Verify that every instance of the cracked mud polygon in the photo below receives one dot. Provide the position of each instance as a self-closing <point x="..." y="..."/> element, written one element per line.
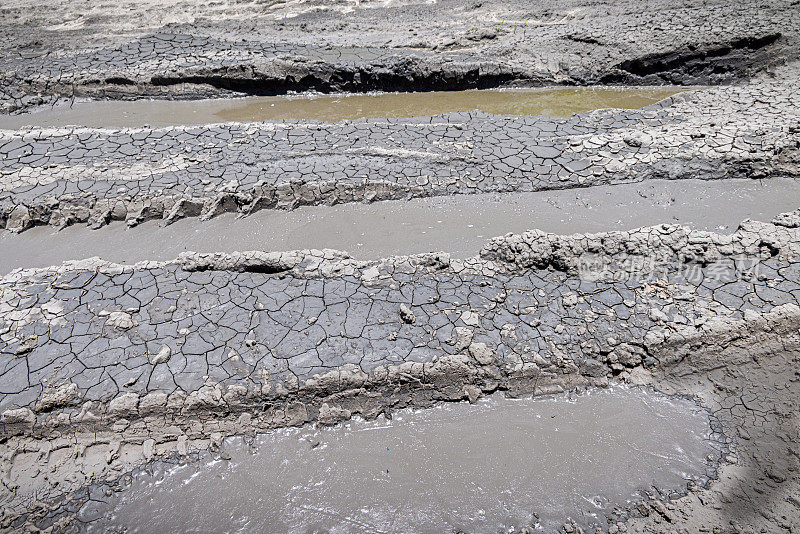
<point x="384" y="266"/>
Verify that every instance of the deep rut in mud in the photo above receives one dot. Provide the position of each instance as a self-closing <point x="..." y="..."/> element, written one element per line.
<point x="499" y="464"/>
<point x="556" y="102"/>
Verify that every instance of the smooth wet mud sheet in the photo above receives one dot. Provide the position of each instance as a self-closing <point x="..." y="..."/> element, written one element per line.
<point x="458" y="225"/>
<point x="560" y="101"/>
<point x="496" y="466"/>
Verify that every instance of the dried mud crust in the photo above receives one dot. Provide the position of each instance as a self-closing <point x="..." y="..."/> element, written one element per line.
<point x="107" y="366"/>
<point x="81" y="175"/>
<point x="123" y="51"/>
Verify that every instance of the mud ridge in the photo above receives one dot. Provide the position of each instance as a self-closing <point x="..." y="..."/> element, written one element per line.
<point x="693" y="65"/>
<point x="601" y="258"/>
<point x="244" y="168"/>
<point x="403" y="75"/>
<point x="652" y="306"/>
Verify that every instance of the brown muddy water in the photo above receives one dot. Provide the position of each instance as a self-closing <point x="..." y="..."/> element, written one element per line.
<point x="459" y="225"/>
<point x="560" y="101"/>
<point x="497" y="466"/>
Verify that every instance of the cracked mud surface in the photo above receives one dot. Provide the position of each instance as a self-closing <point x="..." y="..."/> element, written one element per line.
<point x="169" y="354"/>
<point x="82" y="175"/>
<point x="106" y="367"/>
<point x="65" y="176"/>
<point x="269" y="47"/>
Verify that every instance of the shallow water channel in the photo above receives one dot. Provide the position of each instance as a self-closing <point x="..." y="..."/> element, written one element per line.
<point x="557" y="101"/>
<point x="498" y="465"/>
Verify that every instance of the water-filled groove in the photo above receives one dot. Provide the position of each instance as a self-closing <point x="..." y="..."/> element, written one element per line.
<point x="556" y="101"/>
<point x="498" y="465"/>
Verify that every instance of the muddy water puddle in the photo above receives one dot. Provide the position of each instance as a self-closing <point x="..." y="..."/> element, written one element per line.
<point x="559" y="101"/>
<point x="496" y="466"/>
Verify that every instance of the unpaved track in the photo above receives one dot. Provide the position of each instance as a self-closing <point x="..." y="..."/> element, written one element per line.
<point x="105" y="367"/>
<point x="161" y="357"/>
<point x="77" y="175"/>
<point x="95" y="176"/>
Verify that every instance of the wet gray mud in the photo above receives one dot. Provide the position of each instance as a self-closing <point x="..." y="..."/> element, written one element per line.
<point x="496" y="466"/>
<point x="551" y="101"/>
<point x="459" y="225"/>
<point x="108" y="367"/>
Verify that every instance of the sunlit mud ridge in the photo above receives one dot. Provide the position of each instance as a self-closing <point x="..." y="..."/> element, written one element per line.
<point x="273" y="47"/>
<point x="81" y="175"/>
<point x="106" y="366"/>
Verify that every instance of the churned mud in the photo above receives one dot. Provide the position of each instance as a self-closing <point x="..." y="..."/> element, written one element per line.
<point x="519" y="222"/>
<point x="498" y="464"/>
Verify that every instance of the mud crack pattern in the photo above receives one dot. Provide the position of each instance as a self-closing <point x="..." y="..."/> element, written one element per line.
<point x="106" y="368"/>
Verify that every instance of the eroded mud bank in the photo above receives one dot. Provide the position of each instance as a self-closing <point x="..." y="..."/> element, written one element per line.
<point x="442" y="45"/>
